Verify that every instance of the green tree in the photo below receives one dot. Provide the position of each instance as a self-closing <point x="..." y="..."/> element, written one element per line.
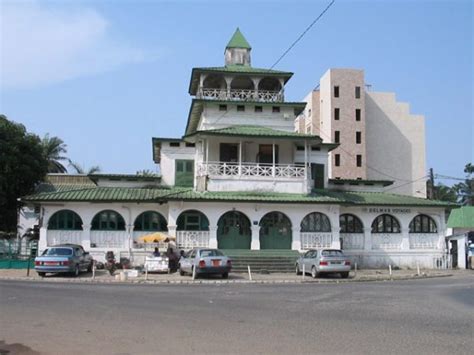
<point x="22" y="166"/>
<point x="53" y="148"/>
<point x="147" y="173"/>
<point x="445" y="193"/>
<point x="465" y="190"/>
<point x="81" y="170"/>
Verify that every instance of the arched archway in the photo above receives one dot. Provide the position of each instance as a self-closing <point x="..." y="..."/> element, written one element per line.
<point x="242" y="83"/>
<point x="423" y="224"/>
<point x="214" y="81"/>
<point x="275" y="231"/>
<point x="65" y="220"/>
<point x="108" y="220"/>
<point x="269" y="84"/>
<point x="192" y="220"/>
<point x="386" y="223"/>
<point x="315" y="222"/>
<point x="233" y="231"/>
<point x="150" y="221"/>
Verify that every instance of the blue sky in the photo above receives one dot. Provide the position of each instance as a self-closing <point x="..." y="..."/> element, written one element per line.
<point x="106" y="76"/>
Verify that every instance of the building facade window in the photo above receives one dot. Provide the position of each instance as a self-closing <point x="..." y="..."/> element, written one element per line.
<point x="337" y="159"/>
<point x="108" y="220"/>
<point x="359" y="160"/>
<point x="357" y="114"/>
<point x="150" y="221"/>
<point x="385" y="223"/>
<point x="315" y="222"/>
<point x="222" y="107"/>
<point x="337" y="136"/>
<point x="358" y="137"/>
<point x="192" y="221"/>
<point x="423" y="224"/>
<point x="350" y="224"/>
<point x="240" y="108"/>
<point x="336" y="91"/>
<point x="65" y="220"/>
<point x="258" y="109"/>
<point x="276" y="109"/>
<point x="174" y="144"/>
<point x="336" y="114"/>
<point x="357" y="92"/>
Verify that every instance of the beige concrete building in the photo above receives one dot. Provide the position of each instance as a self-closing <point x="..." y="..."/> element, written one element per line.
<point x="379" y="138"/>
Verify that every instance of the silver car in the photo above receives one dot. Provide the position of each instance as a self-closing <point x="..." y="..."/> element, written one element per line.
<point x="322" y="261"/>
<point x="64" y="258"/>
<point x="205" y="261"/>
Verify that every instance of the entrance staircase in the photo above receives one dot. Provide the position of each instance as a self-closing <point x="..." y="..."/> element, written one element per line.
<point x="268" y="260"/>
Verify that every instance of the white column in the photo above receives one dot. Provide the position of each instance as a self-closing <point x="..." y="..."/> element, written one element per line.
<point x="86" y="236"/>
<point x="255" y="244"/>
<point x="405" y="239"/>
<point x="212" y="236"/>
<point x="43" y="240"/>
<point x="305" y="167"/>
<point x="335" y="242"/>
<point x="367" y="238"/>
<point x="240" y="157"/>
<point x="273" y="158"/>
<point x="296" y="239"/>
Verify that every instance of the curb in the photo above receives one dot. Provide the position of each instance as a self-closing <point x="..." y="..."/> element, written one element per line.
<point x="307" y="281"/>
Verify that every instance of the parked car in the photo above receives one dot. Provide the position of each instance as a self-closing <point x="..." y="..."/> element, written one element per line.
<point x="322" y="261"/>
<point x="205" y="261"/>
<point x="64" y="258"/>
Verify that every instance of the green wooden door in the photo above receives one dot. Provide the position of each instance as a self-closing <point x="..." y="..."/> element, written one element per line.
<point x="184" y="173"/>
<point x="317" y="173"/>
<point x="275" y="231"/>
<point x="233" y="231"/>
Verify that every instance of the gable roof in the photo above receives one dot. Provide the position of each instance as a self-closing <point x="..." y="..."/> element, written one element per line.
<point x="462" y="218"/>
<point x="238" y="41"/>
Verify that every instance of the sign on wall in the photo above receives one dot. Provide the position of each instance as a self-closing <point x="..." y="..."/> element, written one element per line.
<point x="386" y="210"/>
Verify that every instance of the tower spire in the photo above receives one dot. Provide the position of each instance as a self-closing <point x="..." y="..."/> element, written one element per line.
<point x="237" y="51"/>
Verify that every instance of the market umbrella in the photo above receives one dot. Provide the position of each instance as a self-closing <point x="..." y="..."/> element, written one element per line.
<point x="156" y="237"/>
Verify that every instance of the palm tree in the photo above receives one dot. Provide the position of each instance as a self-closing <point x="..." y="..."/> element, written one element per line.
<point x="465" y="190"/>
<point x="53" y="148"/>
<point x="147" y="173"/>
<point x="80" y="170"/>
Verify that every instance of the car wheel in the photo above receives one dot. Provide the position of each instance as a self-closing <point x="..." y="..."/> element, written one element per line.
<point x="89" y="268"/>
<point x="314" y="273"/>
<point x="77" y="271"/>
<point x="298" y="271"/>
<point x="181" y="272"/>
<point x="42" y="274"/>
<point x="225" y="275"/>
<point x="345" y="275"/>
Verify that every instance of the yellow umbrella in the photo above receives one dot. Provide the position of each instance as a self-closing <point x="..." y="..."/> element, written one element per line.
<point x="156" y="237"/>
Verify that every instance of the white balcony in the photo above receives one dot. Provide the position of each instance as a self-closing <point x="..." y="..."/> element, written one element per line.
<point x="241" y="95"/>
<point x="252" y="170"/>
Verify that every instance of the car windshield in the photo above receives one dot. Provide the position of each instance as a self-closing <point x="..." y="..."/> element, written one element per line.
<point x="332" y="253"/>
<point x="212" y="252"/>
<point x="58" y="251"/>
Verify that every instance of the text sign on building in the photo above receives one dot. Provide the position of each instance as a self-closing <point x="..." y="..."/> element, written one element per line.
<point x="386" y="210"/>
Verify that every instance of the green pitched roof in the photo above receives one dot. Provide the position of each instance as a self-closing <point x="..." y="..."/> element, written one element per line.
<point x="462" y="218"/>
<point x="161" y="194"/>
<point x="238" y="41"/>
<point x="256" y="131"/>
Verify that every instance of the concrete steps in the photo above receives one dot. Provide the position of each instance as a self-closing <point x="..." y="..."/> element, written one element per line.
<point x="278" y="261"/>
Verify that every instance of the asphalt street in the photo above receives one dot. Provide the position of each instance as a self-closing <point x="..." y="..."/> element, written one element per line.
<point x="431" y="316"/>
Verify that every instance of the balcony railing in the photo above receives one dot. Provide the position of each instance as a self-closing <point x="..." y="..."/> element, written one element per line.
<point x="192" y="239"/>
<point x="251" y="170"/>
<point x="315" y="240"/>
<point x="241" y="95"/>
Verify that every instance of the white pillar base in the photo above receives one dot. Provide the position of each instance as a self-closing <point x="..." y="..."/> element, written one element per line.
<point x="255" y="244"/>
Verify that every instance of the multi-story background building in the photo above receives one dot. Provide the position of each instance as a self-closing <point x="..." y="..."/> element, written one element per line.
<point x="379" y="138"/>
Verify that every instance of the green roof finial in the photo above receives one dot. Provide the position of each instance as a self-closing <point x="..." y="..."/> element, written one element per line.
<point x="238" y="41"/>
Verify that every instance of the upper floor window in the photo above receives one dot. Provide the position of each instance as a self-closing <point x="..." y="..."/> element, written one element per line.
<point x="423" y="224"/>
<point x="336" y="114"/>
<point x="276" y="109"/>
<point x="240" y="108"/>
<point x="337" y="136"/>
<point x="190" y="145"/>
<point x="359" y="160"/>
<point x="357" y="114"/>
<point x="385" y="223"/>
<point x="174" y="144"/>
<point x="222" y="107"/>
<point x="358" y="137"/>
<point x="336" y="91"/>
<point x="258" y="109"/>
<point x="357" y="92"/>
<point x="337" y="160"/>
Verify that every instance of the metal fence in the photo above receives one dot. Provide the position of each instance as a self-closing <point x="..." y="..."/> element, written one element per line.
<point x="17" y="253"/>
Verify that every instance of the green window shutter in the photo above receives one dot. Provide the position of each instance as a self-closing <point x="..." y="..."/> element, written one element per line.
<point x="317" y="172"/>
<point x="184" y="174"/>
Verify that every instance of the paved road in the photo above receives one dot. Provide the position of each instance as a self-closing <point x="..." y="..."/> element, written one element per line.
<point x="432" y="316"/>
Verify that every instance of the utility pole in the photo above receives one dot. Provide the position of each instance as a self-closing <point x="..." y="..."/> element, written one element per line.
<point x="432" y="185"/>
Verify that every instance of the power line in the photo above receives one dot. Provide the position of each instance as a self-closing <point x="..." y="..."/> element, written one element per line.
<point x="407" y="183"/>
<point x="302" y="34"/>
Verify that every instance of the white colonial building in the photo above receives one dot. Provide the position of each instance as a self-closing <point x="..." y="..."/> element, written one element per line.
<point x="241" y="178"/>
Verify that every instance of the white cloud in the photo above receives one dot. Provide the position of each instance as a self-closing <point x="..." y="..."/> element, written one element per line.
<point x="46" y="44"/>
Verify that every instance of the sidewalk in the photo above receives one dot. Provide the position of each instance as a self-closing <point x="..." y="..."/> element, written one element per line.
<point x="103" y="276"/>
